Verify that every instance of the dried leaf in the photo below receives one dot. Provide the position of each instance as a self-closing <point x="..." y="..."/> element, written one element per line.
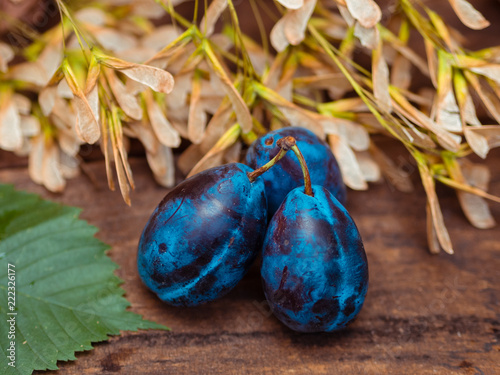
<point x="469" y="15"/>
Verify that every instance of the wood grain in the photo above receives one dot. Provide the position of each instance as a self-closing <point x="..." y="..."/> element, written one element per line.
<point x="423" y="314"/>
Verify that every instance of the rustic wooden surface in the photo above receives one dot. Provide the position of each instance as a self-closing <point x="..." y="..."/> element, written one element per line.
<point x="423" y="314"/>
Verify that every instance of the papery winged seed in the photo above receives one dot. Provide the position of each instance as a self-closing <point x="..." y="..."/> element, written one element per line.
<point x="114" y="40"/>
<point x="50" y="59"/>
<point x="160" y="37"/>
<point x="291" y="4"/>
<point x="368" y="37"/>
<point x="157" y="79"/>
<point x="162" y="165"/>
<point x="239" y="105"/>
<point x="278" y="37"/>
<point x="6" y="55"/>
<point x="346" y="15"/>
<point x="36" y="158"/>
<point x="349" y="166"/>
<point x="205" y="163"/>
<point x="94" y="16"/>
<point x="474" y="207"/>
<point x="435" y="209"/>
<point x="367" y="12"/>
<point x="397" y="177"/>
<point x="431" y="61"/>
<point x="46" y="99"/>
<point x="233" y="153"/>
<point x="86" y="122"/>
<point x="432" y="239"/>
<point x="401" y="72"/>
<point x="369" y="169"/>
<point x="469" y="15"/>
<point x="68" y="142"/>
<point x="22" y="103"/>
<point x="482" y="138"/>
<point x="188" y="159"/>
<point x="491" y="71"/>
<point x="166" y="134"/>
<point x="296" y="22"/>
<point x="11" y="136"/>
<point x="448" y="113"/>
<point x="32" y="72"/>
<point x="128" y="102"/>
<point x="197" y="117"/>
<point x="145" y="134"/>
<point x="63" y="90"/>
<point x="490" y="101"/>
<point x="30" y="126"/>
<point x="51" y="172"/>
<point x="381" y="79"/>
<point x="68" y="165"/>
<point x="214" y="11"/>
<point x="299" y="117"/>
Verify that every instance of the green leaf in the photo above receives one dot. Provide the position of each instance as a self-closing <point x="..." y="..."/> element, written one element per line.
<point x="66" y="295"/>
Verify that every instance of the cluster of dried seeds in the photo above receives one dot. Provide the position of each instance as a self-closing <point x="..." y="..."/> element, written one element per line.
<point x="111" y="71"/>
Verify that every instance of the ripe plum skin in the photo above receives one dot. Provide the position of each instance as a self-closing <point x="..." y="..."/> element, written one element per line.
<point x="203" y="236"/>
<point x="314" y="267"/>
<point x="287" y="174"/>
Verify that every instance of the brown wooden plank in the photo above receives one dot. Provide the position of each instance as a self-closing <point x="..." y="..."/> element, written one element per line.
<point x="423" y="314"/>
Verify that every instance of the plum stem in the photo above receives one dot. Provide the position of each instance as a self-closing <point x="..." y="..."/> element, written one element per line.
<point x="282" y="152"/>
<point x="285" y="144"/>
<point x="307" y="177"/>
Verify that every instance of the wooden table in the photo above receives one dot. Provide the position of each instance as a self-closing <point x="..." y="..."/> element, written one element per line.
<point x="423" y="314"/>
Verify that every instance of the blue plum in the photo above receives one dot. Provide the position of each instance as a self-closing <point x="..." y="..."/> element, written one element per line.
<point x="203" y="236"/>
<point x="314" y="267"/>
<point x="287" y="175"/>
